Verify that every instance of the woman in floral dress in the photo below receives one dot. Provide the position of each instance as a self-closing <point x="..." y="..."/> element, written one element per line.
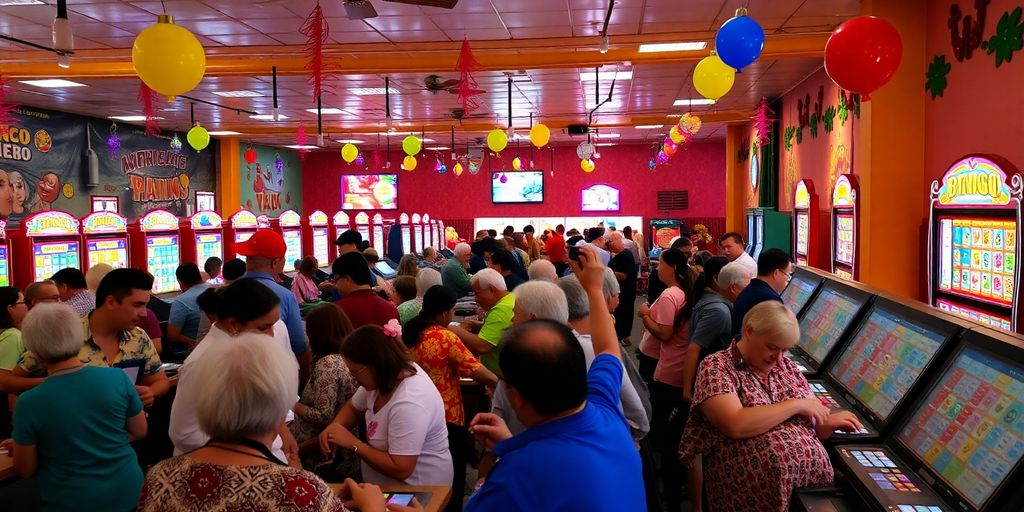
<point x="755" y="420"/>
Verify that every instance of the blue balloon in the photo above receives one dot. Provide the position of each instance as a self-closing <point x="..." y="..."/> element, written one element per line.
<point x="739" y="42"/>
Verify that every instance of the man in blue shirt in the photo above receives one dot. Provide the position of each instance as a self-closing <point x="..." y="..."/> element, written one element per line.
<point x="183" y="322"/>
<point x="774" y="269"/>
<point x="569" y="412"/>
<point x="264" y="253"/>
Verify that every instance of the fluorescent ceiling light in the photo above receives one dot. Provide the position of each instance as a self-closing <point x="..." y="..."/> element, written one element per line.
<point x="438" y="148"/>
<point x="225" y="133"/>
<point x="372" y="91"/>
<point x="238" y="94"/>
<point x="301" y="147"/>
<point x="606" y="135"/>
<point x="685" y="46"/>
<point x="674" y="115"/>
<point x="586" y="76"/>
<point x="349" y="141"/>
<point x="131" y="119"/>
<point x="649" y="126"/>
<point x="52" y="83"/>
<point x="267" y="117"/>
<point x="602" y="144"/>
<point x="327" y="111"/>
<point x="693" y="102"/>
<point x="20" y="2"/>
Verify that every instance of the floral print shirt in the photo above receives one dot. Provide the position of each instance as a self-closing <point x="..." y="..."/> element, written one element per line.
<point x="443" y="356"/>
<point x="135" y="346"/>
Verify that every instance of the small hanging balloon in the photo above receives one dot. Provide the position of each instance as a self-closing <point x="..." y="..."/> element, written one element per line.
<point x="411" y="145"/>
<point x="587" y="166"/>
<point x="503" y="179"/>
<point x="740" y="40"/>
<point x="176" y="144"/>
<point x="497" y="140"/>
<point x="198" y="137"/>
<point x="349" y="152"/>
<point x="443" y="169"/>
<point x="713" y="78"/>
<point x="652" y="164"/>
<point x="437" y="166"/>
<point x="675" y="135"/>
<point x="278" y="163"/>
<point x="689" y="123"/>
<point x="669" y="148"/>
<point x="863" y="54"/>
<point x="457" y="169"/>
<point x="250" y="154"/>
<point x="517" y="164"/>
<point x="585" y="151"/>
<point x="168" y="58"/>
<point x="473" y="168"/>
<point x="540" y="135"/>
<point x="662" y="158"/>
<point x="360" y="161"/>
<point x="113" y="141"/>
<point x="409" y="163"/>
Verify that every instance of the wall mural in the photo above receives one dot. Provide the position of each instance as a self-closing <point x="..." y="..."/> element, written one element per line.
<point x="966" y="34"/>
<point x="271" y="180"/>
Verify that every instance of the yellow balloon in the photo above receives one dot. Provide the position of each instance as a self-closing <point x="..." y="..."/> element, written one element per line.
<point x="168" y="58"/>
<point x="349" y="152"/>
<point x="409" y="163"/>
<point x="674" y="134"/>
<point x="497" y="140"/>
<point x="540" y="135"/>
<point x="517" y="164"/>
<point x="458" y="169"/>
<point x="713" y="78"/>
<point x="587" y="166"/>
<point x="411" y="145"/>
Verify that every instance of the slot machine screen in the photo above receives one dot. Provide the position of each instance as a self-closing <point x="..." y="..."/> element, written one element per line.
<point x="364" y="231"/>
<point x="803" y="232"/>
<point x="418" y="230"/>
<point x="406" y="240"/>
<point x="378" y="239"/>
<point x="969" y="431"/>
<point x="885" y="357"/>
<point x="162" y="257"/>
<point x="5" y="267"/>
<point x="320" y="246"/>
<point x="241" y="237"/>
<point x="799" y="291"/>
<point x="208" y="246"/>
<point x="53" y="256"/>
<point x="293" y="245"/>
<point x="978" y="259"/>
<point x="844" y="238"/>
<point x="825" y="321"/>
<point x="113" y="252"/>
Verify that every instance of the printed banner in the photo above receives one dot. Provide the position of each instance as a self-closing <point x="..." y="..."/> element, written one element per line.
<point x="273" y="182"/>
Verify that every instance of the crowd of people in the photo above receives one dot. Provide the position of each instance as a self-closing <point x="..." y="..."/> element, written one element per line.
<point x="288" y="382"/>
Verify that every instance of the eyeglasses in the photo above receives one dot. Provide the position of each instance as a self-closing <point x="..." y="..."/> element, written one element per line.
<point x="789" y="275"/>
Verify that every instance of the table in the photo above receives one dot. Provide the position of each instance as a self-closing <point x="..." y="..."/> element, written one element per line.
<point x="439" y="494"/>
<point x="6" y="466"/>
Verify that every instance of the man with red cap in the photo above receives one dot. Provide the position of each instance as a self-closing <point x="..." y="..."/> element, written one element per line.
<point x="264" y="258"/>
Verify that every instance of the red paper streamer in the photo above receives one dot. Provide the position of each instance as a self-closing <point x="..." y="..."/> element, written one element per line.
<point x="317" y="31"/>
<point x="7" y="108"/>
<point x="148" y="108"/>
<point x="468" y="88"/>
<point x="300" y="140"/>
<point x="762" y="120"/>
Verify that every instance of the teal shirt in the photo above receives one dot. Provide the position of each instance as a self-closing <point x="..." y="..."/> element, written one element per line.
<point x="454" y="276"/>
<point x="11" y="348"/>
<point x="77" y="423"/>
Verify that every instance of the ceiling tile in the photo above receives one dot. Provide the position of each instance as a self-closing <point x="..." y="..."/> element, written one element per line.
<point x="357" y="37"/>
<point x="223" y="27"/>
<point x="182" y="9"/>
<point x="468" y="21"/>
<point x="540" y="32"/>
<point x="112" y="12"/>
<point x="246" y="11"/>
<point x="252" y="39"/>
<point x="401" y="23"/>
<point x="623" y="16"/>
<point x="506" y="6"/>
<point x="408" y="36"/>
<point x="98" y="30"/>
<point x="830" y="8"/>
<point x="536" y="19"/>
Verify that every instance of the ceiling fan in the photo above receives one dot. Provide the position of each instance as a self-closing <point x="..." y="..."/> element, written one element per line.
<point x="434" y="84"/>
<point x="363" y="9"/>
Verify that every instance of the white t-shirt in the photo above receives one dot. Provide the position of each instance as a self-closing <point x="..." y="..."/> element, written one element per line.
<point x="184" y="428"/>
<point x="411" y="423"/>
<point x="747" y="261"/>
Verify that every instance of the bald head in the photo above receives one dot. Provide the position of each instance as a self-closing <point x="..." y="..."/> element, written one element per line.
<point x="544" y="363"/>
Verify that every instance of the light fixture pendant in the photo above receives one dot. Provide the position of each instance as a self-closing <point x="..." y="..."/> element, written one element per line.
<point x="63" y="39"/>
<point x="605" y="42"/>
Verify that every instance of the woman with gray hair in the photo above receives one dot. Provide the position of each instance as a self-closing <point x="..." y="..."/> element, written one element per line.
<point x="542" y="270"/>
<point x="255" y="378"/>
<point x="75" y="437"/>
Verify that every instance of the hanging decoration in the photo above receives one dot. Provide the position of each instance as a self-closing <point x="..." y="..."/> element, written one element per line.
<point x="411" y="145"/>
<point x="761" y="122"/>
<point x="713" y="78"/>
<point x="517" y="164"/>
<point x="669" y="147"/>
<point x="497" y="140"/>
<point x="250" y="155"/>
<point x="829" y="119"/>
<point x="468" y="88"/>
<point x="168" y="58"/>
<point x="349" y="152"/>
<point x="360" y="161"/>
<point x="588" y="166"/>
<point x="409" y="163"/>
<point x="968" y="39"/>
<point x="863" y="54"/>
<point x="662" y="158"/>
<point x="787" y="138"/>
<point x="652" y="164"/>
<point x="175" y="144"/>
<point x="317" y="32"/>
<point x="301" y="141"/>
<point x="935" y="77"/>
<point x="739" y="41"/>
<point x="113" y="142"/>
<point x="145" y="97"/>
<point x="1008" y="39"/>
<point x="278" y="163"/>
<point x="6" y="107"/>
<point x="585" y="150"/>
<point x="457" y="169"/>
<point x="198" y="137"/>
<point x="689" y="124"/>
<point x="540" y="135"/>
<point x="473" y="167"/>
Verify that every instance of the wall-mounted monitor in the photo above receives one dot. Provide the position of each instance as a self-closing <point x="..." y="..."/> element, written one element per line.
<point x="600" y="198"/>
<point x="517" y="187"/>
<point x="369" y="191"/>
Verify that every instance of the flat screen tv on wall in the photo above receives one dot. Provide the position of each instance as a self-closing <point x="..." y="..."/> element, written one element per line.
<point x="517" y="187"/>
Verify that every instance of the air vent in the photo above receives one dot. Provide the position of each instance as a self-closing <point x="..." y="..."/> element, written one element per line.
<point x="673" y="199"/>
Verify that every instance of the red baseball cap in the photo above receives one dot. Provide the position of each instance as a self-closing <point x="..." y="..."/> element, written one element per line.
<point x="264" y="243"/>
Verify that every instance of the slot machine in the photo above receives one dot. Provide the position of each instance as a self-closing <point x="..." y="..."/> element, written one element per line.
<point x="845" y="227"/>
<point x="417" y="232"/>
<point x="53" y="242"/>
<point x="290" y="223"/>
<point x="5" y="255"/>
<point x="242" y="225"/>
<point x="157" y="249"/>
<point x="106" y="239"/>
<point x="802" y="286"/>
<point x="772" y="230"/>
<point x="406" y="229"/>
<point x="340" y="224"/>
<point x="378" y="234"/>
<point x="805" y="224"/>
<point x="826" y="320"/>
<point x="263" y="221"/>
<point x="428" y="233"/>
<point x="202" y="238"/>
<point x="363" y="225"/>
<point x="318" y="237"/>
<point x="973" y="251"/>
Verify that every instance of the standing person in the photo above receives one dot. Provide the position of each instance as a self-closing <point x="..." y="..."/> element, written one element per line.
<point x="454" y="274"/>
<point x="631" y="245"/>
<point x="183" y="322"/>
<point x="666" y="340"/>
<point x="443" y="356"/>
<point x="625" y="269"/>
<point x="74" y="291"/>
<point x="95" y="274"/>
<point x="233" y="270"/>
<point x="362" y="305"/>
<point x="484" y="338"/>
<point x="264" y="252"/>
<point x="774" y="268"/>
<point x="73" y="436"/>
<point x="532" y="243"/>
<point x="505" y="263"/>
<point x="556" y="250"/>
<point x="733" y="248"/>
<point x="655" y="285"/>
<point x="212" y="267"/>
<point x="542" y="270"/>
<point x="41" y="292"/>
<point x="349" y="241"/>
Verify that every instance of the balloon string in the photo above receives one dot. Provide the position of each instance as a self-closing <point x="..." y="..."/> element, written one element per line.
<point x="162" y="6"/>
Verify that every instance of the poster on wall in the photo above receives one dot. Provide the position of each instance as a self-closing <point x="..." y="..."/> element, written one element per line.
<point x="272" y="183"/>
<point x="43" y="166"/>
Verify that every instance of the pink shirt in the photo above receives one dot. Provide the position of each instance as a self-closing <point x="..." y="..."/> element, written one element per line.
<point x="670" y="354"/>
<point x="304" y="288"/>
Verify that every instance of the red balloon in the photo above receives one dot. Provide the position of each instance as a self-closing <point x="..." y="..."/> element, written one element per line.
<point x="250" y="156"/>
<point x="863" y="54"/>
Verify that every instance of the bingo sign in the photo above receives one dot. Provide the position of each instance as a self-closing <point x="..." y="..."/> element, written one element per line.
<point x="975" y="181"/>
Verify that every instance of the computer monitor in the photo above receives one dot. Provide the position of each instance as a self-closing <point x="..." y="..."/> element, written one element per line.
<point x="968" y="432"/>
<point x="888" y="353"/>
<point x="800" y="289"/>
<point x="830" y="315"/>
